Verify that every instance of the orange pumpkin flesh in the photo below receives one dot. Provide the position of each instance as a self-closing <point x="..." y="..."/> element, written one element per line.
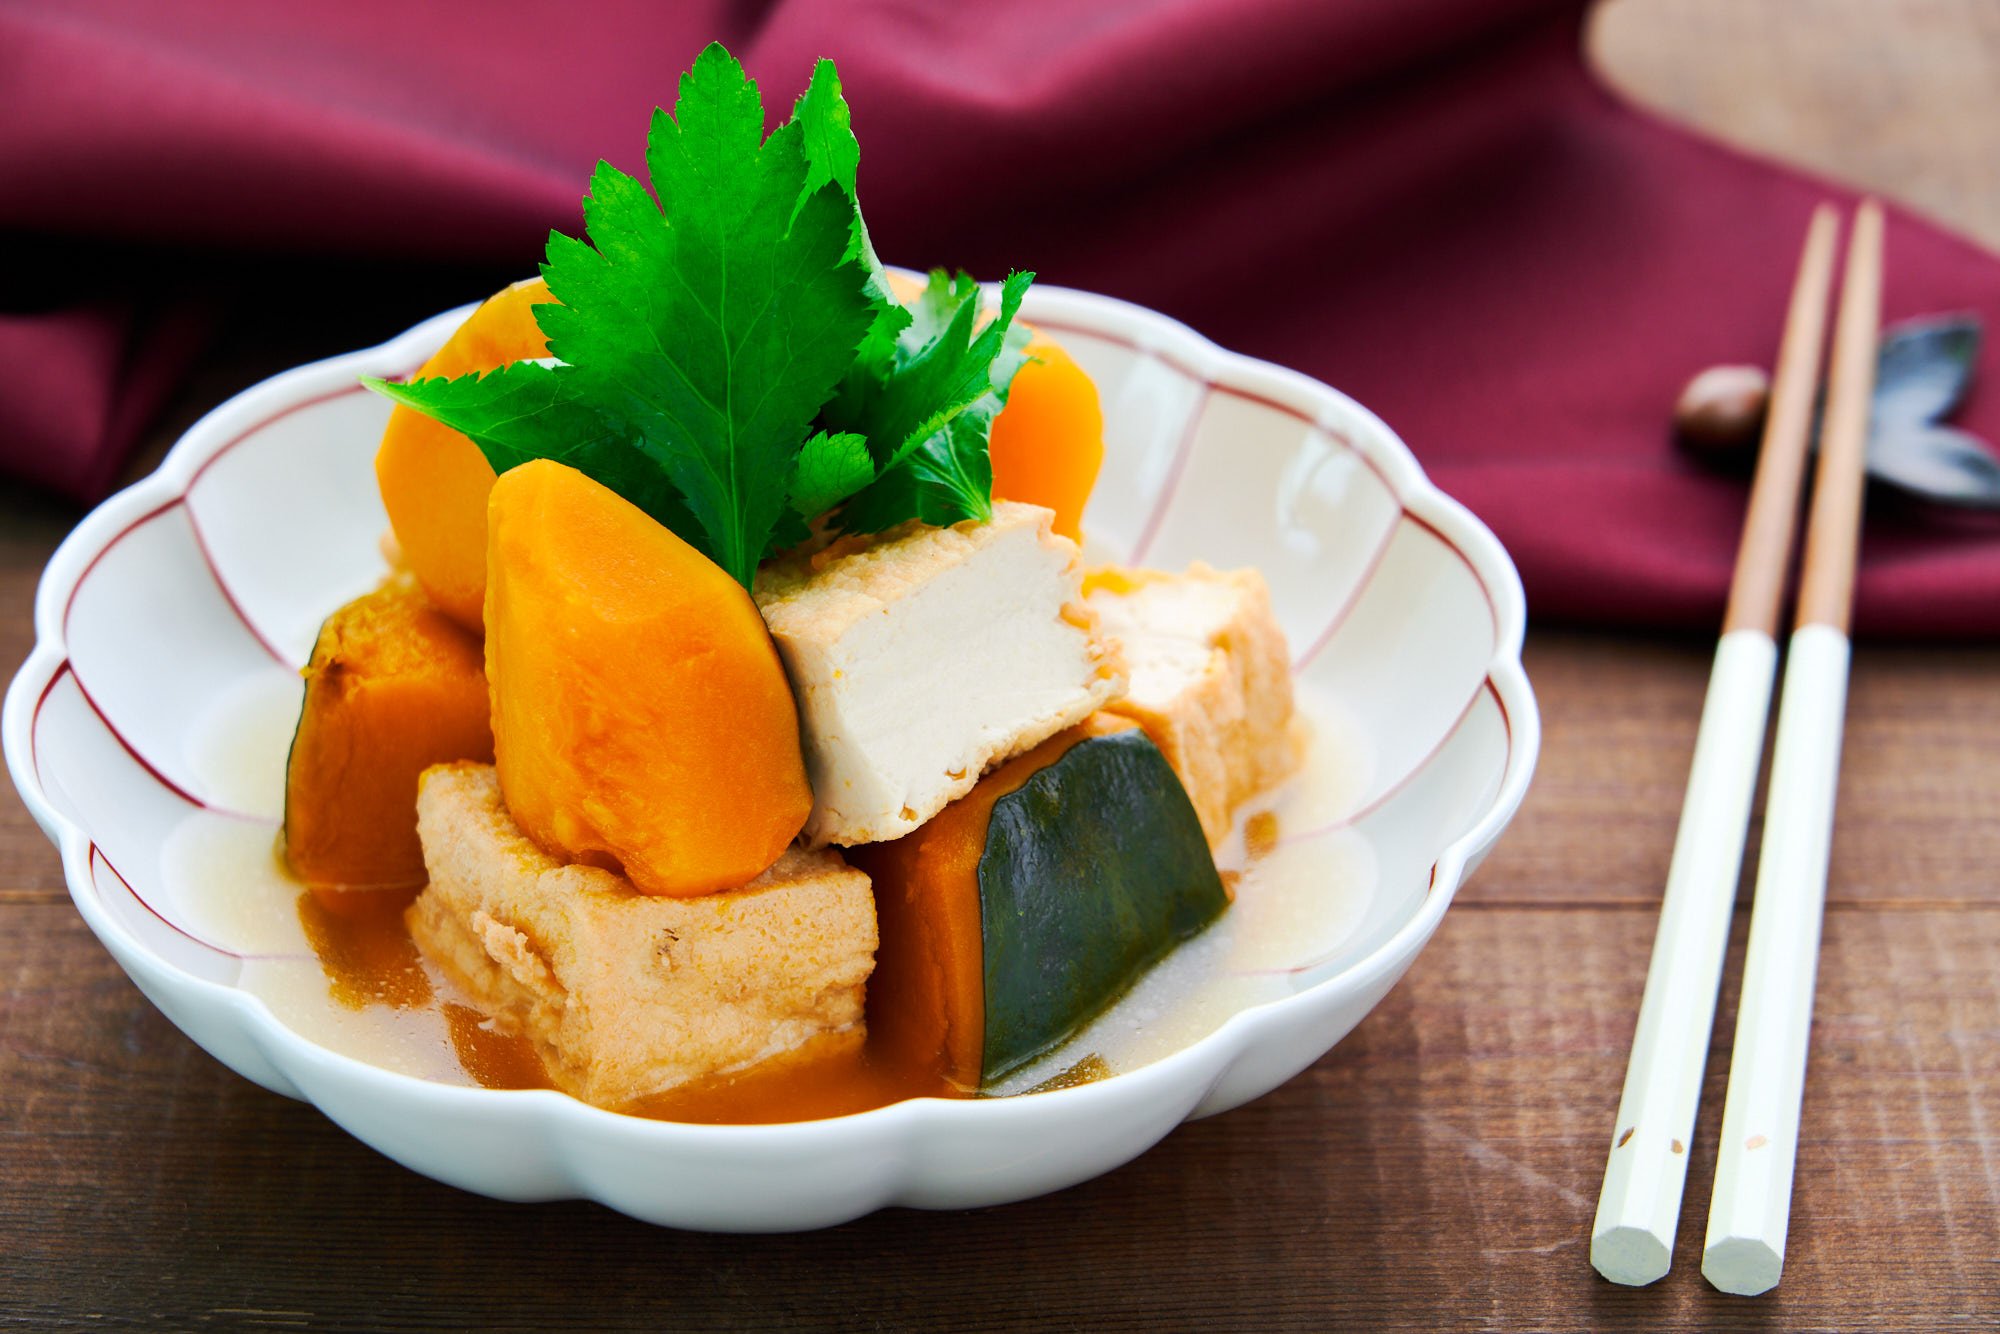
<point x="1048" y="442"/>
<point x="641" y="718"/>
<point x="927" y="995"/>
<point x="394" y="686"/>
<point x="434" y="480"/>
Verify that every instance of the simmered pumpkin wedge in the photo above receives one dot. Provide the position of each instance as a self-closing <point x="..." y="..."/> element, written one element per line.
<point x="641" y="718"/>
<point x="1048" y="442"/>
<point x="1023" y="909"/>
<point x="434" y="480"/>
<point x="393" y="687"/>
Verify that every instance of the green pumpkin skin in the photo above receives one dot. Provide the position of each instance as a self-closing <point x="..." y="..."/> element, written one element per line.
<point x="1093" y="870"/>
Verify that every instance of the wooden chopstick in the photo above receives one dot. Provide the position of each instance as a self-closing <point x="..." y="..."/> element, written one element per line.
<point x="1833" y="532"/>
<point x="1750" y="1211"/>
<point x="1638" y="1210"/>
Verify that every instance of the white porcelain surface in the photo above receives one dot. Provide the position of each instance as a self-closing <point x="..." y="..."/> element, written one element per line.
<point x="198" y="591"/>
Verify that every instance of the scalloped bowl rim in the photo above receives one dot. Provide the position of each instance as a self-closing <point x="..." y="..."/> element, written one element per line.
<point x="1203" y="1062"/>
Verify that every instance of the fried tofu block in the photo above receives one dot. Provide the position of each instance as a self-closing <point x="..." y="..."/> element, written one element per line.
<point x="624" y="994"/>
<point x="924" y="656"/>
<point x="1211" y="679"/>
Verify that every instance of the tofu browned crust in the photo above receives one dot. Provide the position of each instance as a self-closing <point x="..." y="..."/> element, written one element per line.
<point x="623" y="994"/>
<point x="921" y="657"/>
<point x="1211" y="679"/>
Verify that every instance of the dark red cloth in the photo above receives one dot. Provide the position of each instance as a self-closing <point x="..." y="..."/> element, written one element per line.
<point x="1428" y="204"/>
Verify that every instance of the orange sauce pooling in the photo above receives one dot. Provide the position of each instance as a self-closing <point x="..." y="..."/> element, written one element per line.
<point x="495" y="1060"/>
<point x="1261" y="835"/>
<point x="833" y="1075"/>
<point x="368" y="957"/>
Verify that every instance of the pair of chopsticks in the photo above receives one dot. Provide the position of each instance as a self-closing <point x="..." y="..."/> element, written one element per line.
<point x="1633" y="1237"/>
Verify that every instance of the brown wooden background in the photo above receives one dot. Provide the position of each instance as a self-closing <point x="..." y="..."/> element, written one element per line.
<point x="1438" y="1170"/>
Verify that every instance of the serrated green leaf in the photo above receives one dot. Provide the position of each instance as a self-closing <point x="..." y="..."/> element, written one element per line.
<point x="900" y="403"/>
<point x="942" y="371"/>
<point x="826" y="127"/>
<point x="525" y="411"/>
<point x="954" y="472"/>
<point x="945" y="480"/>
<point x="829" y="469"/>
<point x="719" y="320"/>
<point x="702" y="330"/>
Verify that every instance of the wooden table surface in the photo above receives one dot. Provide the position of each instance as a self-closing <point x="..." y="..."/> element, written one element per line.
<point x="1438" y="1170"/>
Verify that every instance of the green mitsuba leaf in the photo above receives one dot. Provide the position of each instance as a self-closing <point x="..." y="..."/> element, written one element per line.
<point x="829" y="469"/>
<point x="726" y="350"/>
<point x="927" y="412"/>
<point x="718" y="322"/>
<point x="826" y="129"/>
<point x="528" y="410"/>
<point x="945" y="480"/>
<point x="826" y="126"/>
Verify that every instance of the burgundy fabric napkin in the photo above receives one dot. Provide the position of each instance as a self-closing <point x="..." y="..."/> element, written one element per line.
<point x="1428" y="204"/>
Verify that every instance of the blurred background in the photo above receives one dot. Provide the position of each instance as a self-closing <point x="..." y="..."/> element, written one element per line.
<point x="1434" y="206"/>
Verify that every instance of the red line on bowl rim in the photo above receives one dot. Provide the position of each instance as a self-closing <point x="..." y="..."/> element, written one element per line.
<point x="1288" y="410"/>
<point x="68" y="668"/>
<point x="1506" y="719"/>
<point x="90" y="567"/>
<point x="69" y="661"/>
<point x="1389" y="793"/>
<point x="276" y="415"/>
<point x="1492" y="607"/>
<point x="35" y="720"/>
<point x="1176" y="471"/>
<point x="98" y="855"/>
<point x="1354" y="595"/>
<point x="1446" y="539"/>
<point x="183" y="499"/>
<point x="229" y="595"/>
<point x="194" y="519"/>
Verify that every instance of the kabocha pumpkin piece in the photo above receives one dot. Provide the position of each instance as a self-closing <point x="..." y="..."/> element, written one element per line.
<point x="393" y="687"/>
<point x="641" y="717"/>
<point x="434" y="480"/>
<point x="1047" y="444"/>
<point x="1029" y="905"/>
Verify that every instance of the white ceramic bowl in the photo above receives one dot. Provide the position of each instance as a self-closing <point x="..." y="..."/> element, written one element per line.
<point x="192" y="597"/>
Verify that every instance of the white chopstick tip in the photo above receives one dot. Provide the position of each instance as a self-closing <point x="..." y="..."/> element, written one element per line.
<point x="1631" y="1255"/>
<point x="1744" y="1266"/>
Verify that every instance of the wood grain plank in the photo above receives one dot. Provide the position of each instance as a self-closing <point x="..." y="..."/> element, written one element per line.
<point x="1919" y="780"/>
<point x="1437" y="1170"/>
<point x="31" y="527"/>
